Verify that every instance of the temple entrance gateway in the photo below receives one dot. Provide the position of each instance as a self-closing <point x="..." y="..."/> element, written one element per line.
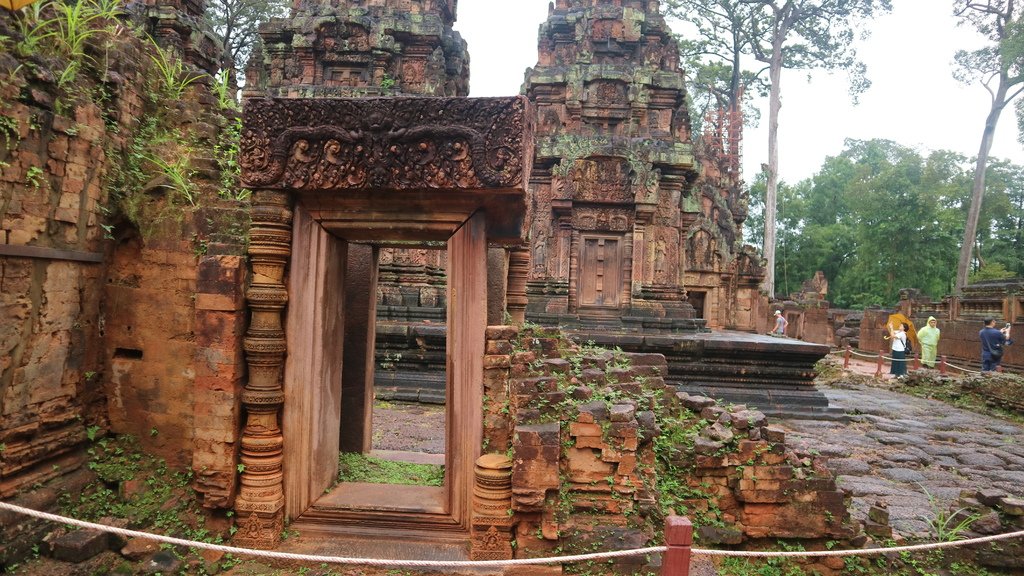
<point x="334" y="180"/>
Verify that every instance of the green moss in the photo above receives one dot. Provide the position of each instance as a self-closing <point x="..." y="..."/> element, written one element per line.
<point x="354" y="467"/>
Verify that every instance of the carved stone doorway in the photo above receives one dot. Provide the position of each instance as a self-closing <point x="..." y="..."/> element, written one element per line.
<point x="333" y="178"/>
<point x="314" y="392"/>
<point x="601" y="271"/>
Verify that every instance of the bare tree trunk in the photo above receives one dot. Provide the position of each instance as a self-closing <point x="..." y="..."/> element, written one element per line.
<point x="774" y="104"/>
<point x="978" y="190"/>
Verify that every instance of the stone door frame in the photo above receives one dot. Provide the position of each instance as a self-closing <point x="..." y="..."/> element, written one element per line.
<point x="330" y="172"/>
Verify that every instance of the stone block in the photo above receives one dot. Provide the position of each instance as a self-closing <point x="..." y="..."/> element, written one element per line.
<point x="501" y="332"/>
<point x="768" y="472"/>
<point x="115" y="541"/>
<point x="595" y="442"/>
<point x="581" y="429"/>
<point x="1012" y="506"/>
<point x="79" y="546"/>
<point x="990" y="496"/>
<point x="498" y="347"/>
<point x="622" y="413"/>
<point x="720" y="535"/>
<point x="497" y="361"/>
<point x="774" y="434"/>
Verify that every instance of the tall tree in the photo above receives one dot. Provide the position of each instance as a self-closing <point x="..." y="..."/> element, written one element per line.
<point x="797" y="34"/>
<point x="237" y="23"/>
<point x="712" y="48"/>
<point x="999" y="66"/>
<point x="802" y="34"/>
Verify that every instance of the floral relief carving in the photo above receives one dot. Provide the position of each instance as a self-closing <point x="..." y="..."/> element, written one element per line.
<point x="383" y="143"/>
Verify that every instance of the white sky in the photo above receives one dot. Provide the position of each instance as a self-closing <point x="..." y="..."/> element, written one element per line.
<point x="913" y="100"/>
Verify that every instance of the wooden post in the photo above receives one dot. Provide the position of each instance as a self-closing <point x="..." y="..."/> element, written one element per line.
<point x="846" y="357"/>
<point x="878" y="368"/>
<point x="678" y="538"/>
<point x="942" y="364"/>
<point x="917" y="360"/>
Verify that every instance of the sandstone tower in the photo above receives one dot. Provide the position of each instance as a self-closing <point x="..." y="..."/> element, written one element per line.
<point x="625" y="231"/>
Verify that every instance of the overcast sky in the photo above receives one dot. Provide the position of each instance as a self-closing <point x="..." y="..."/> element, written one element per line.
<point x="913" y="100"/>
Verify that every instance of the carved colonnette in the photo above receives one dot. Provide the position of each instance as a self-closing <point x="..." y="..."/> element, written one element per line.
<point x="260" y="501"/>
<point x="492" y="505"/>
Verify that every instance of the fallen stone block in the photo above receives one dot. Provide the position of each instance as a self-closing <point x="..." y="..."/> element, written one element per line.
<point x="79" y="546"/>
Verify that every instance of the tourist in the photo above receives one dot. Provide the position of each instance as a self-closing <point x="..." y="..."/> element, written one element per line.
<point x="929" y="339"/>
<point x="898" y="338"/>
<point x="993" y="341"/>
<point x="780" y="324"/>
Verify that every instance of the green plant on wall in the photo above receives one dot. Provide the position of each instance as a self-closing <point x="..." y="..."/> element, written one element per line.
<point x="71" y="31"/>
<point x="9" y="130"/>
<point x="34" y="177"/>
<point x="174" y="76"/>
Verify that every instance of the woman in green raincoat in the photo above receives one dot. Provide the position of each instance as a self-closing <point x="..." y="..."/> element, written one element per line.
<point x="928" y="336"/>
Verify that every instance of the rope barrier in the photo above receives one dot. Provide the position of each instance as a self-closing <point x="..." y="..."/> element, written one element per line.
<point x="328" y="559"/>
<point x="494" y="563"/>
<point x="875" y="357"/>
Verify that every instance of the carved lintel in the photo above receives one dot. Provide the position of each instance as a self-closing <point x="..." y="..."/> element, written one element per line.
<point x="384" y="144"/>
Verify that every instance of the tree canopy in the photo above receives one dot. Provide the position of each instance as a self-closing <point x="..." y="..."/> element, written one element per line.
<point x="237" y="22"/>
<point x="880" y="217"/>
<point x="794" y="34"/>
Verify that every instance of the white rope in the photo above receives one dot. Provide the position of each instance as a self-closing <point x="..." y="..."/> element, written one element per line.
<point x="862" y="552"/>
<point x="494" y="563"/>
<point x="330" y="559"/>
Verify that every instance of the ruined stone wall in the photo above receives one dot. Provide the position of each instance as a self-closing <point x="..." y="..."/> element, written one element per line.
<point x="109" y="324"/>
<point x="593" y="433"/>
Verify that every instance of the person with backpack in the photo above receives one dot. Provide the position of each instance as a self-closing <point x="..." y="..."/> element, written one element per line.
<point x="900" y="341"/>
<point x="993" y="342"/>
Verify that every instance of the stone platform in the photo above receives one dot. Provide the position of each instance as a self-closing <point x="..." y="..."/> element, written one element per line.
<point x="773" y="374"/>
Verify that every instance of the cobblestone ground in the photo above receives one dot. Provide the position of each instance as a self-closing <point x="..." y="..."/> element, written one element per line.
<point x="408" y="426"/>
<point x="899" y="449"/>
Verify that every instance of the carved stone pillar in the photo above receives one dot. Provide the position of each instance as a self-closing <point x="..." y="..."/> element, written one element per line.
<point x="518" y="272"/>
<point x="260" y="502"/>
<point x="492" y="500"/>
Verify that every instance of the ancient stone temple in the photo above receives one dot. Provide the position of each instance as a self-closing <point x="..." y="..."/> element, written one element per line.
<point x="625" y="231"/>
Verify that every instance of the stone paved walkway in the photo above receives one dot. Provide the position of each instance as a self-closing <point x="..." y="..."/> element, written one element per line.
<point x="897" y="446"/>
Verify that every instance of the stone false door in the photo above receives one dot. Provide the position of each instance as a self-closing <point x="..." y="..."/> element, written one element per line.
<point x="601" y="271"/>
<point x="327" y="175"/>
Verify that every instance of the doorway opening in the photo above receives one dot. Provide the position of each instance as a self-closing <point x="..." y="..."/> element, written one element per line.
<point x="440" y="442"/>
<point x="697" y="298"/>
<point x="407" y="437"/>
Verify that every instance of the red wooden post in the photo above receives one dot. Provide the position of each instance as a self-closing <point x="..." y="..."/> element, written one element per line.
<point x="917" y="360"/>
<point x="846" y="357"/>
<point x="942" y="364"/>
<point x="878" y="368"/>
<point x="678" y="538"/>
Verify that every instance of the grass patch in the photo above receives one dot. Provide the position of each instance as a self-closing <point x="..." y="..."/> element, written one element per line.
<point x="353" y="467"/>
